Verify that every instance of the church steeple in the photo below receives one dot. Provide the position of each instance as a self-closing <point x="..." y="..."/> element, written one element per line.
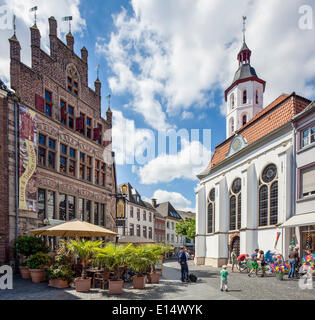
<point x="244" y="96"/>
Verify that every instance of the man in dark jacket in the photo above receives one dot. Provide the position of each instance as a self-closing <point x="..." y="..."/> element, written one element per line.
<point x="182" y="260"/>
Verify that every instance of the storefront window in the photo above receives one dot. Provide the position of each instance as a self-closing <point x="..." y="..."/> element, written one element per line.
<point x="308" y="238"/>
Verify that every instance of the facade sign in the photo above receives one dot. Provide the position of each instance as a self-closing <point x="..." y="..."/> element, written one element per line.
<point x="28" y="160"/>
<point x="120" y="209"/>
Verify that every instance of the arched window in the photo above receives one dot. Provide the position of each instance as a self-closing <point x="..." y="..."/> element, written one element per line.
<point x="257" y="97"/>
<point x="232" y="125"/>
<point x="211" y="211"/>
<point x="232" y="100"/>
<point x="268" y="196"/>
<point x="244" y="96"/>
<point x="244" y="119"/>
<point x="235" y="204"/>
<point x="73" y="80"/>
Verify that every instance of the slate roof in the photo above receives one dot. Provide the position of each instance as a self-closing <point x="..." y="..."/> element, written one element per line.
<point x="167" y="210"/>
<point x="186" y="214"/>
<point x="244" y="71"/>
<point x="276" y="114"/>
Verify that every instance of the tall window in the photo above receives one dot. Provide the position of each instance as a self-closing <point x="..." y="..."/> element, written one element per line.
<point x="131" y="229"/>
<point x="268" y="196"/>
<point x="48" y="103"/>
<point x="72" y="85"/>
<point x="72" y="161"/>
<point x="235" y="204"/>
<point x="257" y="97"/>
<point x="244" y="96"/>
<point x="232" y="125"/>
<point x="232" y="100"/>
<point x="211" y="211"/>
<point x="81" y="209"/>
<point x="82" y="165"/>
<point x="307" y="182"/>
<point x="144" y="231"/>
<point x="89" y="127"/>
<point x="63" y="158"/>
<point x="46" y="204"/>
<point x="62" y="207"/>
<point x="46" y="151"/>
<point x="138" y="214"/>
<point x="131" y="212"/>
<point x="144" y="216"/>
<point x="103" y="174"/>
<point x="66" y="207"/>
<point x="41" y="204"/>
<point x="89" y="169"/>
<point x="97" y="172"/>
<point x="82" y="131"/>
<point x="103" y="215"/>
<point x="150" y="232"/>
<point x="150" y="216"/>
<point x="71" y="207"/>
<point x="96" y="213"/>
<point x="138" y="231"/>
<point x="244" y="119"/>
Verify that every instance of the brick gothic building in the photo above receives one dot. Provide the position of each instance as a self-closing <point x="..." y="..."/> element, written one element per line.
<point x="73" y="180"/>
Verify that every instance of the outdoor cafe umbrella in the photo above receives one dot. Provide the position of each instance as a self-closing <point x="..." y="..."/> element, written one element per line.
<point x="74" y="228"/>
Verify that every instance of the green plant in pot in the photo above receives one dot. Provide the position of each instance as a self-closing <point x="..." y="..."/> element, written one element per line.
<point x="86" y="251"/>
<point x="155" y="253"/>
<point x="25" y="247"/>
<point x="140" y="261"/>
<point x="115" y="257"/>
<point x="36" y="264"/>
<point x="59" y="275"/>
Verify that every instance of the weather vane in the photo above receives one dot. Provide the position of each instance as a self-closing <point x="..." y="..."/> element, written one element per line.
<point x="34" y="9"/>
<point x="68" y="18"/>
<point x="98" y="70"/>
<point x="244" y="27"/>
<point x="13" y="23"/>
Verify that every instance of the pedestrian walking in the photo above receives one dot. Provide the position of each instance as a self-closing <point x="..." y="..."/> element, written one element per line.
<point x="254" y="263"/>
<point x="182" y="260"/>
<point x="234" y="260"/>
<point x="224" y="278"/>
<point x="262" y="262"/>
<point x="293" y="261"/>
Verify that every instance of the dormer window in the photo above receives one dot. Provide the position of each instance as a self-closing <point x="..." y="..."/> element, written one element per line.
<point x="244" y="119"/>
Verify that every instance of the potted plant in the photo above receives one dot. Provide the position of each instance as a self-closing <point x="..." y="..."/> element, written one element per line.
<point x="114" y="257"/>
<point x="60" y="276"/>
<point x="36" y="264"/>
<point x="27" y="246"/>
<point x="155" y="254"/>
<point x="85" y="250"/>
<point x="140" y="261"/>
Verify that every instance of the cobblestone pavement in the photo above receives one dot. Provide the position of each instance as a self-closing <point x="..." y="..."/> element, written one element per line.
<point x="170" y="288"/>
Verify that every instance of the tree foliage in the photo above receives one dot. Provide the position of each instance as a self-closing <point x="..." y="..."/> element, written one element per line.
<point x="186" y="228"/>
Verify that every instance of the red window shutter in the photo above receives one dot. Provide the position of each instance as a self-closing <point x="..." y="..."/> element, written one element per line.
<point x="79" y="123"/>
<point x="63" y="112"/>
<point x="39" y="103"/>
<point x="96" y="134"/>
<point x="106" y="143"/>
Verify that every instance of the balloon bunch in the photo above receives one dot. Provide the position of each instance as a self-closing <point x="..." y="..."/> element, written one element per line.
<point x="309" y="262"/>
<point x="278" y="266"/>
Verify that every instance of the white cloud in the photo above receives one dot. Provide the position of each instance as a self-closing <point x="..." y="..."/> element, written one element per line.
<point x="180" y="50"/>
<point x="187" y="115"/>
<point x="25" y="19"/>
<point x="190" y="161"/>
<point x="178" y="201"/>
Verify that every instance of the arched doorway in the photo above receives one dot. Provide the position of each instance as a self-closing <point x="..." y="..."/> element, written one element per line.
<point x="234" y="244"/>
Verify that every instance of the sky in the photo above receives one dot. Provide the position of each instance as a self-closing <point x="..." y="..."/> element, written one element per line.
<point x="166" y="65"/>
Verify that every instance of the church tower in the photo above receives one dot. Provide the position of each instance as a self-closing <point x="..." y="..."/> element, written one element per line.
<point x="244" y="97"/>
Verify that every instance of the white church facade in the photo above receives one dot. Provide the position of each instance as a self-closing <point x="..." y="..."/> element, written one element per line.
<point x="247" y="192"/>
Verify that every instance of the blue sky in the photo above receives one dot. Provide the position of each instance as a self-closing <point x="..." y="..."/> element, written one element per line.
<point x="167" y="64"/>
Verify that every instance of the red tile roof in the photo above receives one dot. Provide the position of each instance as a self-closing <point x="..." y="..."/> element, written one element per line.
<point x="276" y="114"/>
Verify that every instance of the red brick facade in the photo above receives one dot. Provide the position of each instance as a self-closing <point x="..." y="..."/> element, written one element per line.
<point x="68" y="118"/>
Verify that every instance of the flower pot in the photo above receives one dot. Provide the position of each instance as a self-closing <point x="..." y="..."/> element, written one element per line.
<point x="37" y="275"/>
<point x="25" y="272"/>
<point x="58" y="283"/>
<point x="82" y="285"/>
<point x="154" y="277"/>
<point x="115" y="286"/>
<point x="279" y="276"/>
<point x="138" y="282"/>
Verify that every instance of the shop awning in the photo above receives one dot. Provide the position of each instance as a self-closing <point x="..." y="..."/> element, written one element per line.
<point x="299" y="220"/>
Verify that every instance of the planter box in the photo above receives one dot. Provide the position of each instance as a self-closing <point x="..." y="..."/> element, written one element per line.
<point x="58" y="283"/>
<point x="83" y="285"/>
<point x="138" y="282"/>
<point x="37" y="275"/>
<point x="25" y="272"/>
<point x="115" y="287"/>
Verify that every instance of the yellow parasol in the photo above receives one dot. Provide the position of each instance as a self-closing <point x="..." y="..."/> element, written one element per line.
<point x="74" y="228"/>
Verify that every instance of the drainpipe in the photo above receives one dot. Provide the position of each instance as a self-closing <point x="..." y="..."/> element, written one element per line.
<point x="16" y="177"/>
<point x="294" y="196"/>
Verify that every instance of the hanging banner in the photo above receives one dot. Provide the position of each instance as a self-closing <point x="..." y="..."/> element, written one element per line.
<point x="120" y="209"/>
<point x="28" y="160"/>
